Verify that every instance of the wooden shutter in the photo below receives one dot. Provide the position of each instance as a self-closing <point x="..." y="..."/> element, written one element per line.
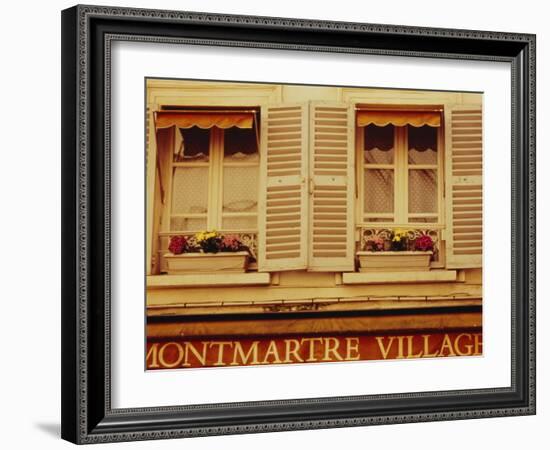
<point x="463" y="190"/>
<point x="283" y="218"/>
<point x="332" y="187"/>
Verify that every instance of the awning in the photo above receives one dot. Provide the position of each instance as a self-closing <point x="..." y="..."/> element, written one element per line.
<point x="382" y="118"/>
<point x="204" y="119"/>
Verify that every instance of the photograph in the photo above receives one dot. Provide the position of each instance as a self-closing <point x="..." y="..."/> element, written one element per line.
<point x="294" y="224"/>
<point x="283" y="222"/>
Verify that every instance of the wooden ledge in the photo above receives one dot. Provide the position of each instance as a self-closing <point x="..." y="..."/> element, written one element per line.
<point x="208" y="279"/>
<point x="428" y="276"/>
<point x="304" y="308"/>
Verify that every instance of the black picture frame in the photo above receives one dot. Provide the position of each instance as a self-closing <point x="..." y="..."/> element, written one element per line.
<point x="87" y="33"/>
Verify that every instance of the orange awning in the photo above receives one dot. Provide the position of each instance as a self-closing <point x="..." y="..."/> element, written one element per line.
<point x="382" y="118"/>
<point x="204" y="119"/>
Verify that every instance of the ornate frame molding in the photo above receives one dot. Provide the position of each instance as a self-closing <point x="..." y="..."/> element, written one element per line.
<point x="87" y="416"/>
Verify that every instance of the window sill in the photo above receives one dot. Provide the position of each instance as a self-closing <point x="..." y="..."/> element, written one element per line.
<point x="208" y="279"/>
<point x="428" y="276"/>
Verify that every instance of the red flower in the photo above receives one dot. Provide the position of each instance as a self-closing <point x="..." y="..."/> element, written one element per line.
<point x="178" y="244"/>
<point x="424" y="243"/>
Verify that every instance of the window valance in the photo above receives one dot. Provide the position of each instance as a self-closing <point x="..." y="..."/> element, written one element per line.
<point x="382" y="138"/>
<point x="382" y="118"/>
<point x="204" y="119"/>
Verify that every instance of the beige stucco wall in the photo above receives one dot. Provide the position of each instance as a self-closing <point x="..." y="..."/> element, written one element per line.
<point x="301" y="285"/>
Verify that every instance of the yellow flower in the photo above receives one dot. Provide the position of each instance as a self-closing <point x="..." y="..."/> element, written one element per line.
<point x="205" y="235"/>
<point x="401" y="234"/>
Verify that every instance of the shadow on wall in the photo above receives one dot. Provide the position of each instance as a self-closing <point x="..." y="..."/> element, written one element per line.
<point x="53" y="429"/>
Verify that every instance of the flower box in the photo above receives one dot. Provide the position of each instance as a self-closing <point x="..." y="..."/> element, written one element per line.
<point x="235" y="262"/>
<point x="390" y="261"/>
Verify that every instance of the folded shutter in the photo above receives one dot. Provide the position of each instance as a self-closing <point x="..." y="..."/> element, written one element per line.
<point x="283" y="218"/>
<point x="464" y="168"/>
<point x="332" y="187"/>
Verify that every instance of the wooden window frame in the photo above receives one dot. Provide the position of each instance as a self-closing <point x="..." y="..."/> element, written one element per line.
<point x="216" y="165"/>
<point x="162" y="93"/>
<point x="400" y="167"/>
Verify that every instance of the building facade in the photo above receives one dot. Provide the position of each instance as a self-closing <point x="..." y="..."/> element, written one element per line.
<point x="318" y="182"/>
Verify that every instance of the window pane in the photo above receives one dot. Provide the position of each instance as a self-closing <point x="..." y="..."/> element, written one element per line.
<point x="195" y="145"/>
<point x="379" y="143"/>
<point x="422" y="145"/>
<point x="187" y="224"/>
<point x="240" y="223"/>
<point x="432" y="219"/>
<point x="240" y="189"/>
<point x="190" y="190"/>
<point x="240" y="144"/>
<point x="422" y="191"/>
<point x="378" y="219"/>
<point x="378" y="191"/>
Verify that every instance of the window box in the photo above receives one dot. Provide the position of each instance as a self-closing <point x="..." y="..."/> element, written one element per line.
<point x="390" y="261"/>
<point x="206" y="262"/>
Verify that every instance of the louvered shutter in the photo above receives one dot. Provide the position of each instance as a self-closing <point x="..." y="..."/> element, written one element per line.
<point x="464" y="236"/>
<point x="283" y="219"/>
<point x="332" y="187"/>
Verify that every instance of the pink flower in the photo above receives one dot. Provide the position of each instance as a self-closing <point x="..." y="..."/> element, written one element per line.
<point x="377" y="244"/>
<point x="231" y="243"/>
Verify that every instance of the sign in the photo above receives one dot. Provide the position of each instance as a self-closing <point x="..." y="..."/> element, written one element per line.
<point x="234" y="351"/>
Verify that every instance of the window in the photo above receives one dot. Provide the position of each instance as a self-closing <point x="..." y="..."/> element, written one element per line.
<point x="190" y="174"/>
<point x="399" y="174"/>
<point x="215" y="180"/>
<point x="304" y="204"/>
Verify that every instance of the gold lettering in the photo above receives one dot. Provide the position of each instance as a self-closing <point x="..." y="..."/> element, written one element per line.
<point x="427" y="354"/>
<point x="174" y="354"/>
<point x="272" y="351"/>
<point x="352" y="347"/>
<point x="252" y="354"/>
<point x="201" y="357"/>
<point x="400" y="347"/>
<point x="447" y="345"/>
<point x="153" y="354"/>
<point x="178" y="360"/>
<point x="221" y="345"/>
<point x="292" y="351"/>
<point x="468" y="347"/>
<point x="311" y="342"/>
<point x="478" y="344"/>
<point x="385" y="351"/>
<point x="410" y="348"/>
<point x="332" y="349"/>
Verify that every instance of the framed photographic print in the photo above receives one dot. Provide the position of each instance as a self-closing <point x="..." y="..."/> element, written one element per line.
<point x="296" y="224"/>
<point x="282" y="224"/>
